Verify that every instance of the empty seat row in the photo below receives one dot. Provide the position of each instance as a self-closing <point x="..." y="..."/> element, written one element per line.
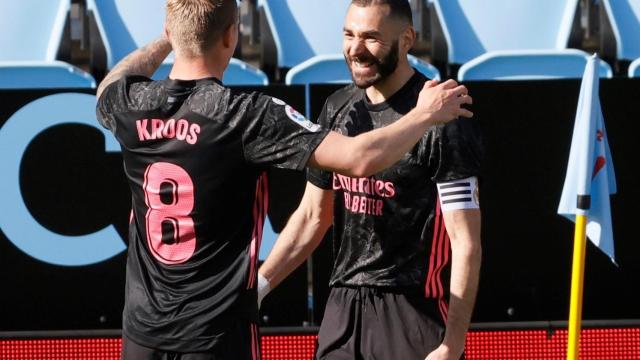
<point x="121" y="32"/>
<point x="492" y="39"/>
<point x="117" y="25"/>
<point x="41" y="25"/>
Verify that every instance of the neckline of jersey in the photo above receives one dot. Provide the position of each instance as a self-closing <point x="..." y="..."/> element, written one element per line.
<point x="182" y="84"/>
<point x="397" y="96"/>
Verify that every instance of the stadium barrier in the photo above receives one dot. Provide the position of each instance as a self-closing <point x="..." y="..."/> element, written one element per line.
<point x="601" y="340"/>
<point x="61" y="181"/>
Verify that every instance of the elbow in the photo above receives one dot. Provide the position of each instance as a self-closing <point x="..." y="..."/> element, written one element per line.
<point x="319" y="220"/>
<point x="359" y="171"/>
<point x="474" y="253"/>
<point x="323" y="222"/>
<point x="469" y="249"/>
<point x="360" y="159"/>
<point x="361" y="165"/>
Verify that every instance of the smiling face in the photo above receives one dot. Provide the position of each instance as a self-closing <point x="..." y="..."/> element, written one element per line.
<point x="371" y="43"/>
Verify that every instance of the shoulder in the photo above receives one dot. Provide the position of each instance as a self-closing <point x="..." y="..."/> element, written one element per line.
<point x="132" y="93"/>
<point x="207" y="100"/>
<point x="340" y="100"/>
<point x="343" y="96"/>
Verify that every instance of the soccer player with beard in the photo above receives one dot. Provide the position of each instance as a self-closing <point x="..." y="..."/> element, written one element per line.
<point x="195" y="154"/>
<point x="407" y="239"/>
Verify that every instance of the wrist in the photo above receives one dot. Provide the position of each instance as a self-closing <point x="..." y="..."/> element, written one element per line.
<point x="263" y="288"/>
<point x="424" y="118"/>
<point x="454" y="347"/>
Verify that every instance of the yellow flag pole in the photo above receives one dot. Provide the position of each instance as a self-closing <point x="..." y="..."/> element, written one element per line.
<point x="577" y="282"/>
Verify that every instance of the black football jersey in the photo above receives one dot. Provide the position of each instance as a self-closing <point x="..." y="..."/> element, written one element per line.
<point x="194" y="154"/>
<point x="388" y="228"/>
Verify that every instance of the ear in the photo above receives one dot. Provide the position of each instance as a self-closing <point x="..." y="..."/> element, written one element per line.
<point x="228" y="36"/>
<point x="408" y="38"/>
<point x="165" y="32"/>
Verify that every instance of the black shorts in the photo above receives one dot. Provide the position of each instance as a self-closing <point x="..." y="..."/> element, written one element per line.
<point x="369" y="323"/>
<point x="242" y="344"/>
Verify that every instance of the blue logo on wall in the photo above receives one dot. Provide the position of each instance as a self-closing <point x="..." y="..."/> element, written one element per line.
<point x="16" y="221"/>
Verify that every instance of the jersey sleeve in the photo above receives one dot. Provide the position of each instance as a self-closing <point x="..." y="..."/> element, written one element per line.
<point x="115" y="99"/>
<point x="106" y="106"/>
<point x="318" y="177"/>
<point x="277" y="135"/>
<point x="456" y="151"/>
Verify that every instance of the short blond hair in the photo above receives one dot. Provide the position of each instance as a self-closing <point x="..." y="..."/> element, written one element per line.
<point x="195" y="25"/>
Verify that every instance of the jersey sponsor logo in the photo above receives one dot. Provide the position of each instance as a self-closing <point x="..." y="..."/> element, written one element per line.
<point x="364" y="195"/>
<point x="155" y="129"/>
<point x="300" y="119"/>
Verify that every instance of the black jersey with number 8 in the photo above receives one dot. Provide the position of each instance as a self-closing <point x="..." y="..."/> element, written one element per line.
<point x="194" y="154"/>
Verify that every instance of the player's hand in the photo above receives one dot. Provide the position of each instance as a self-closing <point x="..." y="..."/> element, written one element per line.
<point x="443" y="352"/>
<point x="442" y="102"/>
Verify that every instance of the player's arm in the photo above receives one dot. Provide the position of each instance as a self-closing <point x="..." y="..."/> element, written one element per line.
<point x="463" y="226"/>
<point x="370" y="152"/>
<point x="144" y="61"/>
<point x="302" y="234"/>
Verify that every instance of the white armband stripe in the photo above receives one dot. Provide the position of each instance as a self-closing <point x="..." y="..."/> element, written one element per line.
<point x="459" y="194"/>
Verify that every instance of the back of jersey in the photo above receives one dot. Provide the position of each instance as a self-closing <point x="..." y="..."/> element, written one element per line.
<point x="194" y="152"/>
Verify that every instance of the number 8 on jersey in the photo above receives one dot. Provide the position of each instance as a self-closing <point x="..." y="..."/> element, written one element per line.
<point x="169" y="195"/>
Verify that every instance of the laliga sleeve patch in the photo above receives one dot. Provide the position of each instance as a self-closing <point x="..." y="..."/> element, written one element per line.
<point x="278" y="101"/>
<point x="300" y="119"/>
<point x="459" y="194"/>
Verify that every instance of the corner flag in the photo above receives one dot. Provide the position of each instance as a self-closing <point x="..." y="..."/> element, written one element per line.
<point x="585" y="197"/>
<point x="590" y="178"/>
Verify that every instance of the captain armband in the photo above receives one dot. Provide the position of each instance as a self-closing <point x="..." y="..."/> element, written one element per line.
<point x="459" y="194"/>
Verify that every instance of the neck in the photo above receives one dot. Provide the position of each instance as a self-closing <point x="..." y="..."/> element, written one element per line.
<point x="385" y="88"/>
<point x="196" y="68"/>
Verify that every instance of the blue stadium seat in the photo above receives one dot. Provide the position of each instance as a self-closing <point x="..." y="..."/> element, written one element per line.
<point x="620" y="37"/>
<point x="529" y="65"/>
<point x="471" y="28"/>
<point x="30" y="36"/>
<point x="122" y="31"/>
<point x="333" y="69"/>
<point x="43" y="75"/>
<point x="634" y="68"/>
<point x="38" y="24"/>
<point x="302" y="29"/>
<point x="237" y="73"/>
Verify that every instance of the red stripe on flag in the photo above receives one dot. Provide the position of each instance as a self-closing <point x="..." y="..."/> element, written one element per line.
<point x="600" y="163"/>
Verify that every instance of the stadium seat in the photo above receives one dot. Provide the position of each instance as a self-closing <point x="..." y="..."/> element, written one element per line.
<point x="120" y="30"/>
<point x="43" y="75"/>
<point x="529" y="65"/>
<point x="333" y="69"/>
<point x="237" y="73"/>
<point x="296" y="30"/>
<point x="470" y="28"/>
<point x="634" y="68"/>
<point x="29" y="53"/>
<point x="620" y="28"/>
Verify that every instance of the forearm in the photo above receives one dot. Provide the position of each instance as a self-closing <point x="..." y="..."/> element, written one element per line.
<point x="383" y="147"/>
<point x="297" y="241"/>
<point x="373" y="151"/>
<point x="144" y="61"/>
<point x="465" y="270"/>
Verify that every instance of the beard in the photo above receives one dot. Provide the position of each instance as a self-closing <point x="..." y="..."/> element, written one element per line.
<point x="385" y="66"/>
